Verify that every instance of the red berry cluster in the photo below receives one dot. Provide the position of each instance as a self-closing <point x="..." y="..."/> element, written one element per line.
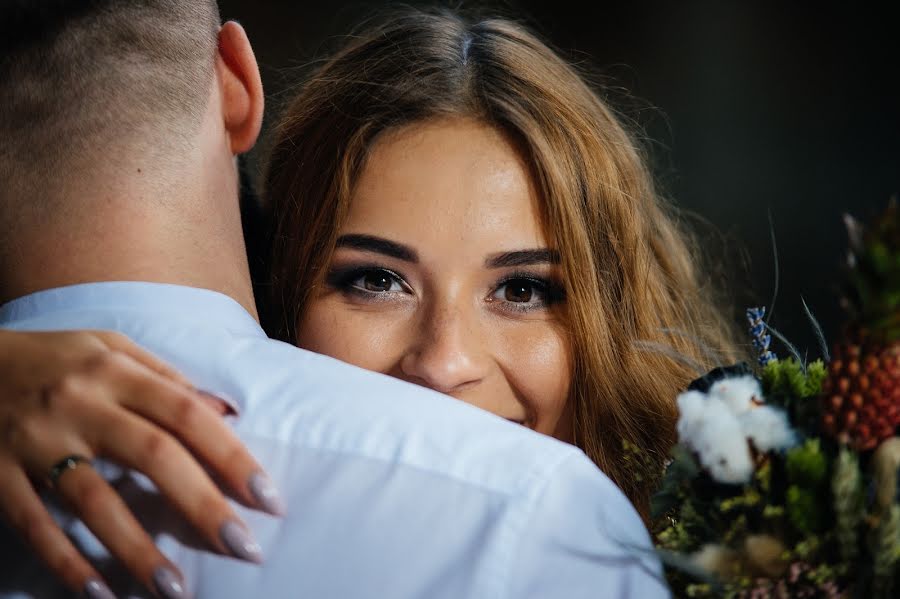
<point x="862" y="396"/>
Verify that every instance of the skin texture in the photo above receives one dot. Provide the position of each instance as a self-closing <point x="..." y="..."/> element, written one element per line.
<point x="457" y="196"/>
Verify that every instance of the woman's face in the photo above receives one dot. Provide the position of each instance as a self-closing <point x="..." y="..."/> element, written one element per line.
<point x="443" y="277"/>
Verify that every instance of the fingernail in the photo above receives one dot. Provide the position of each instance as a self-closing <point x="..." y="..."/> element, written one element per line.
<point x="239" y="542"/>
<point x="222" y="405"/>
<point x="266" y="494"/>
<point x="168" y="584"/>
<point x="95" y="588"/>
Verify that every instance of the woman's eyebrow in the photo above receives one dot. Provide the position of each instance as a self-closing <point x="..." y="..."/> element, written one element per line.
<point x="378" y="245"/>
<point x="522" y="258"/>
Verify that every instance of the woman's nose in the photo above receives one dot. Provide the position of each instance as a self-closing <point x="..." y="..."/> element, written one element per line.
<point x="446" y="352"/>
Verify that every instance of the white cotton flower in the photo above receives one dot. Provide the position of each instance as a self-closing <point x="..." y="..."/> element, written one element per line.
<point x="722" y="446"/>
<point x="691" y="407"/>
<point x="709" y="427"/>
<point x="741" y="393"/>
<point x="767" y="428"/>
<point x="719" y="427"/>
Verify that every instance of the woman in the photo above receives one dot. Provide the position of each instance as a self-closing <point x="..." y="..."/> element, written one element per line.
<point x="453" y="205"/>
<point x="617" y="278"/>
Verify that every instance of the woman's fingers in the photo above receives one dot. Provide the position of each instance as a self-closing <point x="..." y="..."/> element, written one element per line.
<point x="106" y="515"/>
<point x="128" y="438"/>
<point x="120" y="343"/>
<point x="23" y="509"/>
<point x="133" y="442"/>
<point x="203" y="431"/>
<point x="209" y="437"/>
<point x="43" y="444"/>
<point x="96" y="393"/>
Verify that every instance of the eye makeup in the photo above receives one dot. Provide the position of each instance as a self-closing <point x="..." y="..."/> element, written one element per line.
<point x="362" y="281"/>
<point x="517" y="292"/>
<point x="525" y="292"/>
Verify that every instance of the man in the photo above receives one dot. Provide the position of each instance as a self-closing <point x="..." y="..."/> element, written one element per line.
<point x="119" y="125"/>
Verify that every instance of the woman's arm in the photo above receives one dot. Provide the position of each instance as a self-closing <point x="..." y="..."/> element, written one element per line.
<point x="96" y="394"/>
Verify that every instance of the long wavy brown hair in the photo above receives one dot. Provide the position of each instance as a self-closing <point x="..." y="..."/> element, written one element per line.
<point x="640" y="318"/>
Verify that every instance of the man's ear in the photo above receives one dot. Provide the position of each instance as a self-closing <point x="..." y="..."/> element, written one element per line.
<point x="240" y="86"/>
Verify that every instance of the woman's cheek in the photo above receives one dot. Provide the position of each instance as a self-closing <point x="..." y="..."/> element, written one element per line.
<point x="362" y="337"/>
<point x="538" y="362"/>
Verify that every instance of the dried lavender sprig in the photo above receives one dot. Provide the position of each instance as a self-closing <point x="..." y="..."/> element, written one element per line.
<point x="761" y="340"/>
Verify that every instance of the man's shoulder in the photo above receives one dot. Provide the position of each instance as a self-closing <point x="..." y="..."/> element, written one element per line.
<point x="355" y="447"/>
<point x="308" y="401"/>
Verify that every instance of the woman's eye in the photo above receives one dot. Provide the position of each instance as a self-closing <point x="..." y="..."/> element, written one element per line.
<point x="520" y="291"/>
<point x="377" y="281"/>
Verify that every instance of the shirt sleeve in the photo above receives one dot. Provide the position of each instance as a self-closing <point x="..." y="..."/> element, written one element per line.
<point x="585" y="539"/>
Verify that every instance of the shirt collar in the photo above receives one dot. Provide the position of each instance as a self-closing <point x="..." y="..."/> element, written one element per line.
<point x="175" y="301"/>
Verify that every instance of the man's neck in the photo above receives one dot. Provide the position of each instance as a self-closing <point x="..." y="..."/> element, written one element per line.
<point x="194" y="240"/>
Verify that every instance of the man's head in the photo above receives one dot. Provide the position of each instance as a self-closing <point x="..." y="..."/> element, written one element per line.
<point x="131" y="103"/>
<point x="81" y="81"/>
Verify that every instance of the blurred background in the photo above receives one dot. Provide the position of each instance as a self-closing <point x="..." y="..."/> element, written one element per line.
<point x="755" y="112"/>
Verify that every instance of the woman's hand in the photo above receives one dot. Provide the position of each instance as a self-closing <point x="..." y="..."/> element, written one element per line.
<point x="96" y="394"/>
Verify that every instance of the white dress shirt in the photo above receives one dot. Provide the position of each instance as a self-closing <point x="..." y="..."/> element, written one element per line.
<point x="392" y="491"/>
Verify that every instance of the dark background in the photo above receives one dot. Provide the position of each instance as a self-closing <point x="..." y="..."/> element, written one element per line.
<point x="788" y="109"/>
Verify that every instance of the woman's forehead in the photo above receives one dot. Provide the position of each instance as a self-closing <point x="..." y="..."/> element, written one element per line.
<point x="456" y="179"/>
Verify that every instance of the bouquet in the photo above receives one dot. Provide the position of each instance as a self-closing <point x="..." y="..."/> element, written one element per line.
<point x="784" y="479"/>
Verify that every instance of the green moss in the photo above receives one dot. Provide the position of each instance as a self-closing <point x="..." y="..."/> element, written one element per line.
<point x="773" y="512"/>
<point x="807" y="465"/>
<point x="804" y="509"/>
<point x="737" y="529"/>
<point x="815" y="376"/>
<point x="675" y="537"/>
<point x="749" y="498"/>
<point x="786" y="378"/>
<point x="699" y="590"/>
<point x="808" y="548"/>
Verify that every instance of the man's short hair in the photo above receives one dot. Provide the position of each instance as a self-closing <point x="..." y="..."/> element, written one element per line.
<point x="78" y="78"/>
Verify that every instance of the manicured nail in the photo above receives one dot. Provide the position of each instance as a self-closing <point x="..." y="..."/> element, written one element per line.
<point x="95" y="588"/>
<point x="168" y="584"/>
<point x="266" y="494"/>
<point x="239" y="542"/>
<point x="222" y="405"/>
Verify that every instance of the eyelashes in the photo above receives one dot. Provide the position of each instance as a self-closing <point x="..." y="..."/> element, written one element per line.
<point x="517" y="292"/>
<point x="367" y="282"/>
<point x="524" y="292"/>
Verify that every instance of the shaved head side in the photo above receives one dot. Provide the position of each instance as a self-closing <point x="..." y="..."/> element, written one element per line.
<point x="86" y="82"/>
